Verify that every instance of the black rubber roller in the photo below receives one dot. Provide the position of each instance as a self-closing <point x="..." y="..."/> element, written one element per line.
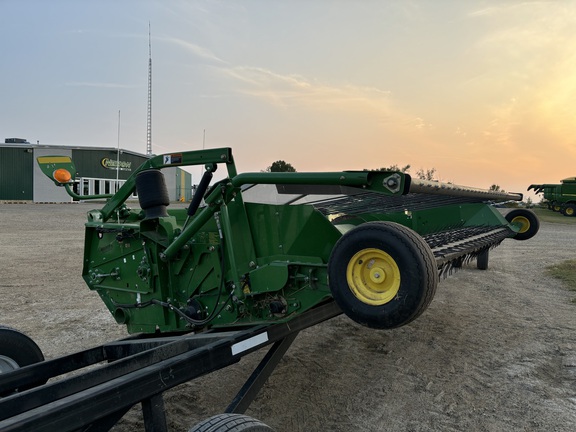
<point x="152" y="193"/>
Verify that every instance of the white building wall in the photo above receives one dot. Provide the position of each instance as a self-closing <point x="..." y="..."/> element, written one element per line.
<point x="170" y="179"/>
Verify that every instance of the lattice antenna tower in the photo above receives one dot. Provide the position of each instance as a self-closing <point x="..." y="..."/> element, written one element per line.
<point x="149" y="118"/>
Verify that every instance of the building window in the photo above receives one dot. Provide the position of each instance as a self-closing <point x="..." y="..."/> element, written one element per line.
<point x="97" y="186"/>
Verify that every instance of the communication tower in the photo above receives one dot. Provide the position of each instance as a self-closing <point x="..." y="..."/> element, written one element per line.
<point x="149" y="118"/>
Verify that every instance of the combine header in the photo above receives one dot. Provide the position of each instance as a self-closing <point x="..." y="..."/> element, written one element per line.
<point x="374" y="241"/>
<point x="254" y="258"/>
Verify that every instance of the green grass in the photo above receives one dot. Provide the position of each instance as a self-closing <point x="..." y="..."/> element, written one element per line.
<point x="546" y="215"/>
<point x="566" y="272"/>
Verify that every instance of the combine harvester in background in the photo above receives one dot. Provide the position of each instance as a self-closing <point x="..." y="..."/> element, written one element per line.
<point x="559" y="197"/>
<point x="261" y="256"/>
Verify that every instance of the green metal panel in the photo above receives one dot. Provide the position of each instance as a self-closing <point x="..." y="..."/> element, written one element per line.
<point x="550" y="192"/>
<point x="427" y="221"/>
<point x="16" y="173"/>
<point x="98" y="163"/>
<point x="568" y="190"/>
<point x="280" y="230"/>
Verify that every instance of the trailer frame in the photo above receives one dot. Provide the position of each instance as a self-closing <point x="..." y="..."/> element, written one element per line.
<point x="140" y="369"/>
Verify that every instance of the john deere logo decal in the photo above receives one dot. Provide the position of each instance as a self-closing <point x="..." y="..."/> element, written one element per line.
<point x="113" y="164"/>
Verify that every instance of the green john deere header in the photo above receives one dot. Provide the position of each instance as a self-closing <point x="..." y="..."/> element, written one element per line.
<point x="258" y="248"/>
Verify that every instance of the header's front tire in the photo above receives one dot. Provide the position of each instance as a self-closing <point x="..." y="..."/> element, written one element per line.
<point x="382" y="274"/>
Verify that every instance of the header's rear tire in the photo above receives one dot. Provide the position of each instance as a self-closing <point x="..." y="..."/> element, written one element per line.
<point x="382" y="274"/>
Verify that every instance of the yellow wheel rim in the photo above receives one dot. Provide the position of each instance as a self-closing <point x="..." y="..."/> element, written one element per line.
<point x="523" y="222"/>
<point x="373" y="276"/>
<point x="569" y="211"/>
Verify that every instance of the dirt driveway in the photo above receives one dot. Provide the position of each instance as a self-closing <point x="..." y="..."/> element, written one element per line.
<point x="495" y="351"/>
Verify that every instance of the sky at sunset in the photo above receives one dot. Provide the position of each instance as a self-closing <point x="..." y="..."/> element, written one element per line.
<point x="482" y="91"/>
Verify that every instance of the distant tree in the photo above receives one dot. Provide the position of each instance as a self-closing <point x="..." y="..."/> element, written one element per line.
<point x="280" y="166"/>
<point x="395" y="167"/>
<point x="429" y="174"/>
<point x="496" y="188"/>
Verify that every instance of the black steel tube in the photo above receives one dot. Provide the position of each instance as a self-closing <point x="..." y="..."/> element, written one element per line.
<point x="199" y="194"/>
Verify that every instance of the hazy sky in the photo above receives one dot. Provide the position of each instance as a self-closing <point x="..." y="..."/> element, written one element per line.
<point x="482" y="91"/>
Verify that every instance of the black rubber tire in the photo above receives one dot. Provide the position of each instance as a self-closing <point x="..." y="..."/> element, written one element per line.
<point x="418" y="274"/>
<point x="482" y="259"/>
<point x="569" y="210"/>
<point x="530" y="217"/>
<point x="231" y="423"/>
<point x="17" y="350"/>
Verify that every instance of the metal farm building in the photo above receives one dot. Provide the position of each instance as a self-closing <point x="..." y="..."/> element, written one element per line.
<point x="99" y="171"/>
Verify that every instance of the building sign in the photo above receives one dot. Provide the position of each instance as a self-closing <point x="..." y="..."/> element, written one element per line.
<point x="114" y="164"/>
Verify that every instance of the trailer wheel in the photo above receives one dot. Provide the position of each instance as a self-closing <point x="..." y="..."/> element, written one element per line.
<point x="529" y="224"/>
<point x="569" y="210"/>
<point x="382" y="274"/>
<point x="17" y="350"/>
<point x="231" y="423"/>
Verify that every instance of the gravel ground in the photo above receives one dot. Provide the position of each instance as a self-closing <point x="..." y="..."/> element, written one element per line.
<point x="495" y="351"/>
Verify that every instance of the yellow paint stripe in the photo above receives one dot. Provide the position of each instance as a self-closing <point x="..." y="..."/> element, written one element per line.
<point x="54" y="159"/>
